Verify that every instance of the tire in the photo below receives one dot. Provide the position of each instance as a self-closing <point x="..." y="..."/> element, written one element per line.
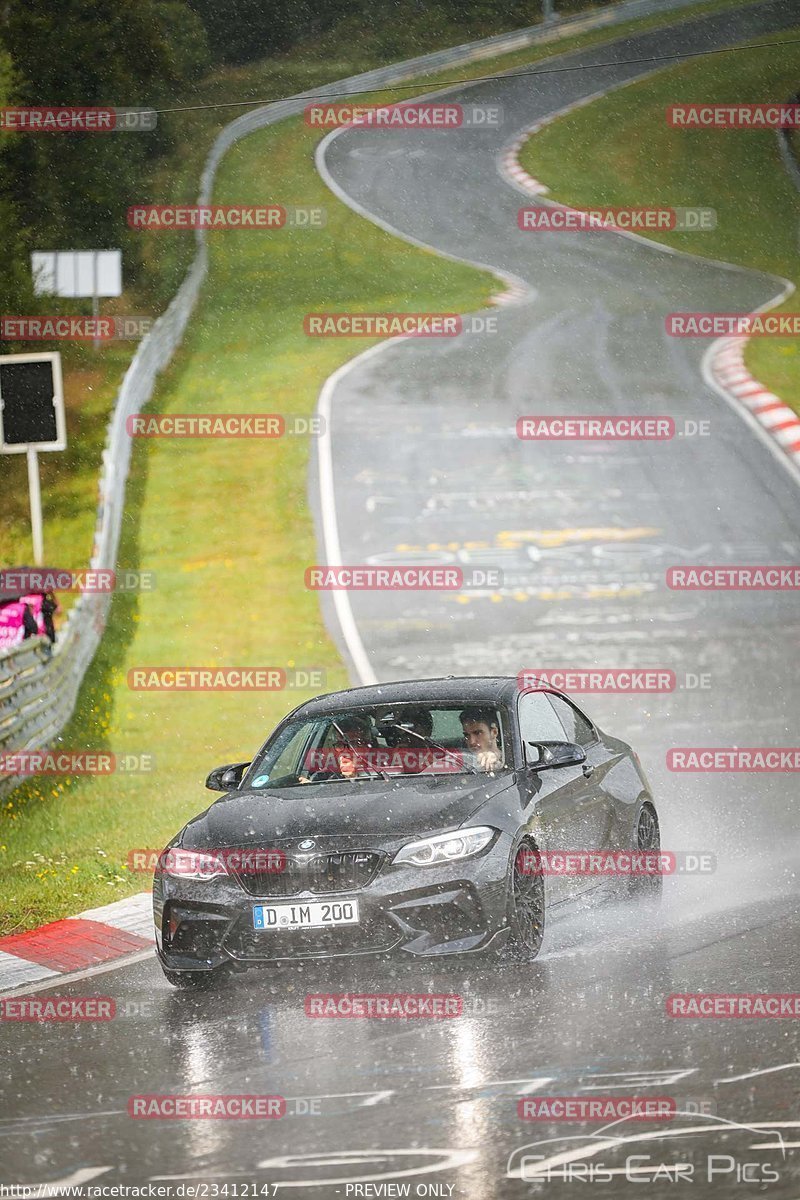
<point x="526" y="917"/>
<point x="647" y="889"/>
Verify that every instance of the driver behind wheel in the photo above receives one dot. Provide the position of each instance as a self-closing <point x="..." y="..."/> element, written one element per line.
<point x="346" y="755"/>
<point x="353" y="734"/>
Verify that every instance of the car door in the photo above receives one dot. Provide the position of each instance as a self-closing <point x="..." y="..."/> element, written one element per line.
<point x="597" y="814"/>
<point x="560" y="798"/>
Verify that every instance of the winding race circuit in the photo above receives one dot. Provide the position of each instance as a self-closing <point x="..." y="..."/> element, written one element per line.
<point x="567" y="544"/>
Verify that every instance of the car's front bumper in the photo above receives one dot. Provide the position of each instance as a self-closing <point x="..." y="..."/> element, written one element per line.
<point x="454" y="908"/>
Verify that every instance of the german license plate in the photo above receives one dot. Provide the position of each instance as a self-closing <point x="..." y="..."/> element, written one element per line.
<point x="316" y="914"/>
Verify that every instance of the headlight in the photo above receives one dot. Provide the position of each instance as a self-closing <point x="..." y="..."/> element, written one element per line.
<point x="191" y="864"/>
<point x="445" y="847"/>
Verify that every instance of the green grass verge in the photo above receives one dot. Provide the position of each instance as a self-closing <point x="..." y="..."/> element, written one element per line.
<point x="620" y="151"/>
<point x="224" y="525"/>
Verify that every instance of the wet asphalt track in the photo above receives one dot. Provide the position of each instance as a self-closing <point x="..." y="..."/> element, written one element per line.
<point x="585" y="1019"/>
<point x="424" y="453"/>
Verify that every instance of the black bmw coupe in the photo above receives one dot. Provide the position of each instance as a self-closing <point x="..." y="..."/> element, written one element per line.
<point x="426" y="818"/>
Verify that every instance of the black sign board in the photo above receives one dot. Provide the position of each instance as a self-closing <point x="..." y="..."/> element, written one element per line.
<point x="31" y="403"/>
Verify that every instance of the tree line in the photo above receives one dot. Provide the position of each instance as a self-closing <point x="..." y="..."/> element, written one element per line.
<point x="71" y="191"/>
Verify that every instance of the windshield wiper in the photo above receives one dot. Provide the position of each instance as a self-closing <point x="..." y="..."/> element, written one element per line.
<point x="435" y="746"/>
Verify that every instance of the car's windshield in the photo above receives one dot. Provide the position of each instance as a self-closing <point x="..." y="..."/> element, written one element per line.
<point x="383" y="742"/>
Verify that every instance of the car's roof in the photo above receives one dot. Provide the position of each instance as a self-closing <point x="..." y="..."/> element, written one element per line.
<point x="467" y="689"/>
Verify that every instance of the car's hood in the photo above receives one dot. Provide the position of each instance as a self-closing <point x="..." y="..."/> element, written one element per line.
<point x="374" y="810"/>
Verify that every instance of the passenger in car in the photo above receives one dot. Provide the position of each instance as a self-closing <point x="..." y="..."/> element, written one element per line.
<point x="482" y="736"/>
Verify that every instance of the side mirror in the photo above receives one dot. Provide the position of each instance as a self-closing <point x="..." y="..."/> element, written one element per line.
<point x="544" y="755"/>
<point x="228" y="778"/>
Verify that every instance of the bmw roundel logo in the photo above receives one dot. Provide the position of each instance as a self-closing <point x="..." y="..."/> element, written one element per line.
<point x="307" y="844"/>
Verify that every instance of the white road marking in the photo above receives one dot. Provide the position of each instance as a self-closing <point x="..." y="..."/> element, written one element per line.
<point x="763" y="1071"/>
<point x="330" y="528"/>
<point x="451" y="1160"/>
<point x="330" y="525"/>
<point x="634" y="1079"/>
<point x="82" y="1175"/>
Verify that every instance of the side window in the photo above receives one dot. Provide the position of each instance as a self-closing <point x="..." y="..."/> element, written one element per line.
<point x="537" y="720"/>
<point x="577" y="728"/>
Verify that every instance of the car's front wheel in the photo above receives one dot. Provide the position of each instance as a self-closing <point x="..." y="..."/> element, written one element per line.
<point x="526" y="906"/>
<point x="647" y="888"/>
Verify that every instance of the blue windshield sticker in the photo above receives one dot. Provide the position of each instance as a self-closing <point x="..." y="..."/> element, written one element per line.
<point x="260" y="780"/>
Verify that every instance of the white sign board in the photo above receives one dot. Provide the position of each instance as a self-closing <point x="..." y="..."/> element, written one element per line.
<point x="77" y="273"/>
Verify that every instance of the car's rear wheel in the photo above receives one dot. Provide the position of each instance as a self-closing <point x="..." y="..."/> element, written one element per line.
<point x="647" y="888"/>
<point x="526" y="906"/>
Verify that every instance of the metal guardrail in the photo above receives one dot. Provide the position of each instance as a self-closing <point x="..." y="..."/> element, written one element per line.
<point x="788" y="150"/>
<point x="38" y="692"/>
